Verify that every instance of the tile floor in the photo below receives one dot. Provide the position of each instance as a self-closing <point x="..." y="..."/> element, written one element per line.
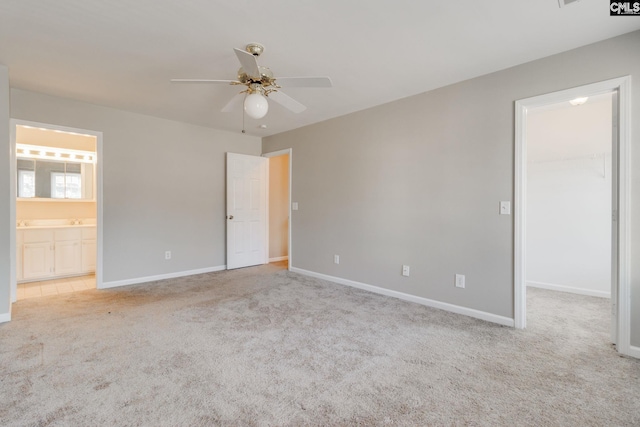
<point x="55" y="287"/>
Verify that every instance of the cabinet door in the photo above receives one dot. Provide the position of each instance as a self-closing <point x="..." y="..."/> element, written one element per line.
<point x="67" y="257"/>
<point x="89" y="256"/>
<point x="19" y="262"/>
<point x="19" y="244"/>
<point x="36" y="260"/>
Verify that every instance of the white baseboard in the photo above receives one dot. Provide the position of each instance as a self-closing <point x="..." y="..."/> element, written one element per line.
<point x="279" y="258"/>
<point x="501" y="320"/>
<point x="5" y="317"/>
<point x="634" y="351"/>
<point x="563" y="288"/>
<point x="126" y="282"/>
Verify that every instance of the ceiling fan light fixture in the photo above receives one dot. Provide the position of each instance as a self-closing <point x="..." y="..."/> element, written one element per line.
<point x="256" y="106"/>
<point x="260" y="83"/>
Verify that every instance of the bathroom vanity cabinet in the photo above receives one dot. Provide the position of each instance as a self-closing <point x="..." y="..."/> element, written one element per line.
<point x="50" y="252"/>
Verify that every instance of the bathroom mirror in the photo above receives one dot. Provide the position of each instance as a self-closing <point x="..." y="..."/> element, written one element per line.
<point x="52" y="179"/>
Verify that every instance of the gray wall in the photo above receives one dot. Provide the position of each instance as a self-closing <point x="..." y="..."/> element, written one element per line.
<point x="418" y="181"/>
<point x="163" y="185"/>
<point x="5" y="216"/>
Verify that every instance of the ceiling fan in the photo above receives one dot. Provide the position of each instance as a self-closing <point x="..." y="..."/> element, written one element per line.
<point x="261" y="84"/>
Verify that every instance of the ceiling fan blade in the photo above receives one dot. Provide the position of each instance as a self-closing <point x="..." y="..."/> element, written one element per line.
<point x="203" y="81"/>
<point x="249" y="63"/>
<point x="304" y="81"/>
<point x="233" y="103"/>
<point x="286" y="101"/>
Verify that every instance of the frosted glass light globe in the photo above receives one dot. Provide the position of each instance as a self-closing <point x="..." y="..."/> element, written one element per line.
<point x="256" y="106"/>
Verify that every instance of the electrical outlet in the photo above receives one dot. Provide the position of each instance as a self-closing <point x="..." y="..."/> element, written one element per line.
<point x="294" y="206"/>
<point x="167" y="255"/>
<point x="336" y="259"/>
<point x="405" y="270"/>
<point x="460" y="280"/>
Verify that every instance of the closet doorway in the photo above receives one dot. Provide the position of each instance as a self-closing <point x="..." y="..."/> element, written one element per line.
<point x="619" y="209"/>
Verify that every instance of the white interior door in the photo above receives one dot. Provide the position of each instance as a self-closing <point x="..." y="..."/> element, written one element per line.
<point x="247" y="219"/>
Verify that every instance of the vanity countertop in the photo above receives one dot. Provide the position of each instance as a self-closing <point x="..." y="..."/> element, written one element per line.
<point x="38" y="224"/>
<point x="40" y="227"/>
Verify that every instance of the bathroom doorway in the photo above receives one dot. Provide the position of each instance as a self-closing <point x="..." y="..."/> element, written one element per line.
<point x="56" y="198"/>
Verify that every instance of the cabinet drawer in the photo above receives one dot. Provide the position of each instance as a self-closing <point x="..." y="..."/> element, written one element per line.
<point x="68" y="234"/>
<point x="37" y="236"/>
<point x="89" y="233"/>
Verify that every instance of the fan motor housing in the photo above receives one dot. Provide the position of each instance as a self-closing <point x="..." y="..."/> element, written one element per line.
<point x="266" y="77"/>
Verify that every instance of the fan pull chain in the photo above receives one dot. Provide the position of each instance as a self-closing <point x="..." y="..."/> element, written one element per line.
<point x="243" y="114"/>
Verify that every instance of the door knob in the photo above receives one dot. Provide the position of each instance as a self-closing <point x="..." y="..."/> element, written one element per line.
<point x="230" y="217"/>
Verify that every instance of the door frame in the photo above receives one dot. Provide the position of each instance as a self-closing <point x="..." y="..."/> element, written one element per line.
<point x="13" y="123"/>
<point x="277" y="153"/>
<point x="622" y="86"/>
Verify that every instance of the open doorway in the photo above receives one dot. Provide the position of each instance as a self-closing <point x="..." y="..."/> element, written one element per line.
<point x="618" y="210"/>
<point x="569" y="224"/>
<point x="55" y="210"/>
<point x="569" y="147"/>
<point x="280" y="206"/>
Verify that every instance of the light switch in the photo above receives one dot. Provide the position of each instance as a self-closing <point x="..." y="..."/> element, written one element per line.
<point x="406" y="270"/>
<point x="505" y="208"/>
<point x="294" y="206"/>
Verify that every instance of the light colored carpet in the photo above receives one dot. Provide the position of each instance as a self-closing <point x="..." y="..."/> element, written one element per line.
<point x="263" y="346"/>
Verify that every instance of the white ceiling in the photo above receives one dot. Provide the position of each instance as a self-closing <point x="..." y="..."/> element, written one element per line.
<point x="122" y="53"/>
